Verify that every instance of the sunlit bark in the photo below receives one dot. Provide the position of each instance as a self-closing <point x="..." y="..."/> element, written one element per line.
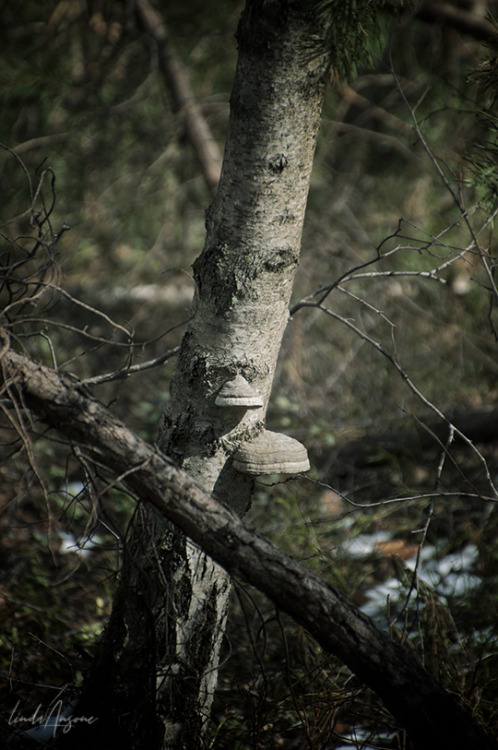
<point x="156" y="671"/>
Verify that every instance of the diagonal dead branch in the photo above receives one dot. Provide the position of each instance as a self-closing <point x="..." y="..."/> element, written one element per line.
<point x="424" y="708"/>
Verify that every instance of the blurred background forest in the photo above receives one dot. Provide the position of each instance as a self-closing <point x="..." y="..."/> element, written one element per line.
<point x="397" y="510"/>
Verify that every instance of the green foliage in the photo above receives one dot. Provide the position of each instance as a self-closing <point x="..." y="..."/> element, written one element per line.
<point x="483" y="154"/>
<point x="350" y="32"/>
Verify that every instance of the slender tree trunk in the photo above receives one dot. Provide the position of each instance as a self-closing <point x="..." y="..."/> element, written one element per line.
<point x="153" y="681"/>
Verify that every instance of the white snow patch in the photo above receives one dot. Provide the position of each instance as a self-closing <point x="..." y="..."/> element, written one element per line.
<point x="82" y="547"/>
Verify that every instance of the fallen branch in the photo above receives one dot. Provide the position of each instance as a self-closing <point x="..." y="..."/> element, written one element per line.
<point x="429" y="713"/>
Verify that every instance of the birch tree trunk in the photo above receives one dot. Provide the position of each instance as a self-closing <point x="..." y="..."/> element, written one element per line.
<point x="153" y="682"/>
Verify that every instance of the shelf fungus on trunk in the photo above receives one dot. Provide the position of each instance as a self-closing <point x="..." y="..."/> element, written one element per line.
<point x="238" y="392"/>
<point x="271" y="453"/>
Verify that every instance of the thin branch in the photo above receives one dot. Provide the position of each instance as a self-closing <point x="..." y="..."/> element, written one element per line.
<point x="432" y="275"/>
<point x="353" y="273"/>
<point x="400" y="499"/>
<point x="25" y="170"/>
<point x="404" y="375"/>
<point x="75" y="329"/>
<point x="93" y="310"/>
<point x="42" y="141"/>
<point x="17" y="416"/>
<point x="414" y="583"/>
<point x="372" y="135"/>
<point x="456" y="198"/>
<point x="350" y="96"/>
<point x="123" y="372"/>
<point x="446" y="14"/>
<point x="323" y="292"/>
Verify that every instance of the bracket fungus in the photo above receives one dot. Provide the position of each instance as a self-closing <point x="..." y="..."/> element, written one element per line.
<point x="238" y="392"/>
<point x="271" y="453"/>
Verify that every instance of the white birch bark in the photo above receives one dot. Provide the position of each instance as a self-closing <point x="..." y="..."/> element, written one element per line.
<point x="155" y="676"/>
<point x="244" y="281"/>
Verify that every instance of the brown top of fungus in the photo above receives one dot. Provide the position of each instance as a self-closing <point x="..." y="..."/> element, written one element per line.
<point x="271" y="453"/>
<point x="238" y="392"/>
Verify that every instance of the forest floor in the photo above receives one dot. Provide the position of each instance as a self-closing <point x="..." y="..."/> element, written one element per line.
<point x="59" y="557"/>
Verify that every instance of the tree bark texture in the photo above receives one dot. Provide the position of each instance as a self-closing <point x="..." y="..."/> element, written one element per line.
<point x="159" y="655"/>
<point x="245" y="273"/>
<point x="243" y="281"/>
<point x="432" y="717"/>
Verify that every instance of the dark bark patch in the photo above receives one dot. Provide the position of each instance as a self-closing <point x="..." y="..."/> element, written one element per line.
<point x="199" y="368"/>
<point x="286" y="217"/>
<point x="183" y="593"/>
<point x="245" y="101"/>
<point x="281" y="258"/>
<point x="277" y="163"/>
<point x="223" y="279"/>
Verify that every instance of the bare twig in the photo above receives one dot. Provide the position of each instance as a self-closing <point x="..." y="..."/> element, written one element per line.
<point x="483" y="254"/>
<point x="123" y="372"/>
<point x="372" y="135"/>
<point x="80" y="331"/>
<point x="400" y="499"/>
<point x="42" y="141"/>
<point x="404" y="375"/>
<point x="321" y="294"/>
<point x="414" y="583"/>
<point x="93" y="310"/>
